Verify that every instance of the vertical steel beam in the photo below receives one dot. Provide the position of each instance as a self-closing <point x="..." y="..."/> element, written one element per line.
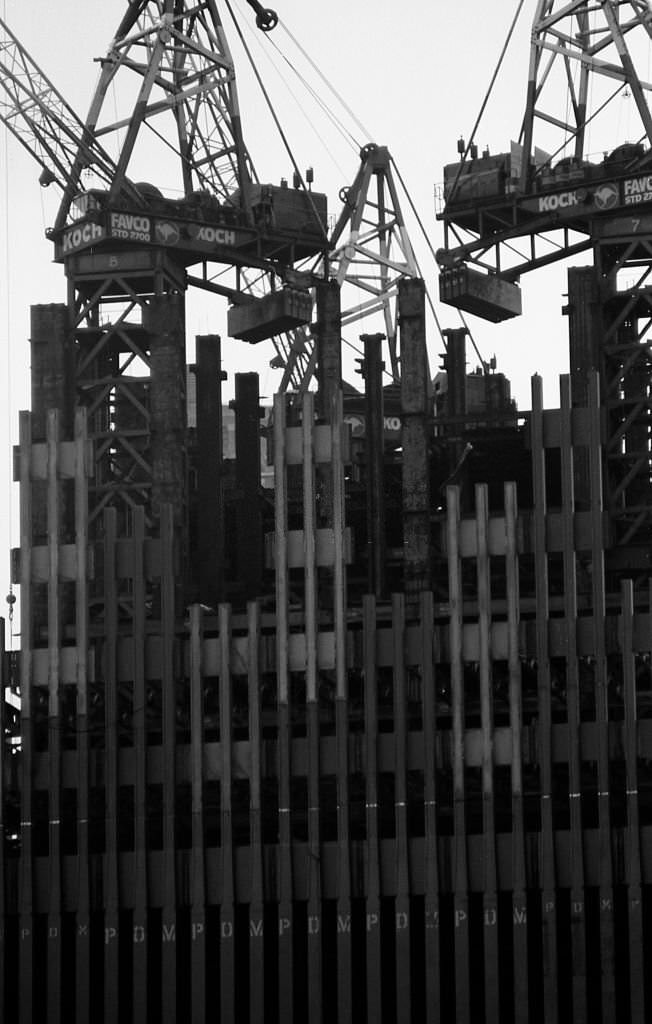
<point x="402" y="869"/>
<point x="344" y="964"/>
<point x="26" y="898"/>
<point x="111" y="892"/>
<point x="547" y="852"/>
<point x="227" y="898"/>
<point x="456" y="399"/>
<point x="249" y="553"/>
<point x="284" y="852"/>
<point x="490" y="874"/>
<point x="141" y="937"/>
<point x="606" y="891"/>
<point x="633" y="875"/>
<point x="585" y="339"/>
<point x="455" y="363"/>
<point x="169" y="753"/>
<point x="577" y="909"/>
<point x="431" y="843"/>
<point x="54" y="918"/>
<point x="257" y="888"/>
<point x="198" y="860"/>
<point x="584" y="329"/>
<point x="210" y="504"/>
<point x="329" y="378"/>
<point x="329" y="345"/>
<point x="83" y="921"/>
<point x="314" y="938"/>
<point x="414" y="436"/>
<point x="519" y="897"/>
<point x="372" y="850"/>
<point x="52" y="363"/>
<point x="374" y="454"/>
<point x="4" y="946"/>
<point x="460" y="856"/>
<point x="164" y="319"/>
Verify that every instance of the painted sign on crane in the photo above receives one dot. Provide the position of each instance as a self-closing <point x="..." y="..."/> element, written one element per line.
<point x="132" y="227"/>
<point x="637" y="190"/>
<point x="80" y="236"/>
<point x="140" y="228"/>
<point x="600" y="197"/>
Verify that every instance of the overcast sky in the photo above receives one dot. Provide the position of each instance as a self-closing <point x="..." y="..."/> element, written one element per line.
<point x="414" y="73"/>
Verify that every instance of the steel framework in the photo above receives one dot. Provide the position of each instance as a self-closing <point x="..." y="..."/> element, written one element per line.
<point x="370" y="252"/>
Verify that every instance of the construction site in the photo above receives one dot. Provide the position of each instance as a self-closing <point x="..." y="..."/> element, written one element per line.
<point x="335" y="706"/>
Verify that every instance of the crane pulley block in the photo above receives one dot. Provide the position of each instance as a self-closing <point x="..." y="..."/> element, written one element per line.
<point x="487" y="295"/>
<point x="266" y="18"/>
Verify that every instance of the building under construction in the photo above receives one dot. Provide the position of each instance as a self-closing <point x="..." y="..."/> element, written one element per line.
<point x="348" y="721"/>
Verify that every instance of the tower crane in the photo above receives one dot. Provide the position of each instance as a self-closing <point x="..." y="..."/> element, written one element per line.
<point x="569" y="186"/>
<point x="129" y="251"/>
<point x="184" y="99"/>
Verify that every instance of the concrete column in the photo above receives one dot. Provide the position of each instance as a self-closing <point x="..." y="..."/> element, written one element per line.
<point x="415" y="436"/>
<point x="209" y="460"/>
<point x="52" y="366"/>
<point x="249" y="556"/>
<point x="329" y="345"/>
<point x="375" y="462"/>
<point x="165" y="320"/>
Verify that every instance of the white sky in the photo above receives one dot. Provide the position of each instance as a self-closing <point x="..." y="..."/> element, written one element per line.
<point x="414" y="73"/>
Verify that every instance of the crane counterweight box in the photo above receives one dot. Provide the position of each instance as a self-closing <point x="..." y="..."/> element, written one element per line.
<point x="273" y="314"/>
<point x="486" y="295"/>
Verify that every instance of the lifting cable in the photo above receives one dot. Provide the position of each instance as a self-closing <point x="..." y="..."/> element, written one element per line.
<point x="365" y="134"/>
<point x="487" y="95"/>
<point x="348" y="137"/>
<point x="336" y="121"/>
<point x="427" y="241"/>
<point x="432" y="251"/>
<point x="276" y="120"/>
<point x="330" y="114"/>
<point x="467" y="149"/>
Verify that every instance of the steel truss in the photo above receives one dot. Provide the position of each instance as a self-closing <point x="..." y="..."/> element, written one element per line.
<point x="590" y="53"/>
<point x="370" y="252"/>
<point x="624" y="266"/>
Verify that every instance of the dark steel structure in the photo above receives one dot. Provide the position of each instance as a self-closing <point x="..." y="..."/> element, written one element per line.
<point x="372" y="744"/>
<point x="426" y="802"/>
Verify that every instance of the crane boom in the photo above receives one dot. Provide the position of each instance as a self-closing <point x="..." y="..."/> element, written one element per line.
<point x="44" y="123"/>
<point x="175" y="59"/>
<point x="181" y="57"/>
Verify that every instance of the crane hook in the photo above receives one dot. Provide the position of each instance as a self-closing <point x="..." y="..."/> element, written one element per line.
<point x="266" y="18"/>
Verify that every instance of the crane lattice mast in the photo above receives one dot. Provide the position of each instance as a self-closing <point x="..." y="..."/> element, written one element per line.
<point x="572" y="186"/>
